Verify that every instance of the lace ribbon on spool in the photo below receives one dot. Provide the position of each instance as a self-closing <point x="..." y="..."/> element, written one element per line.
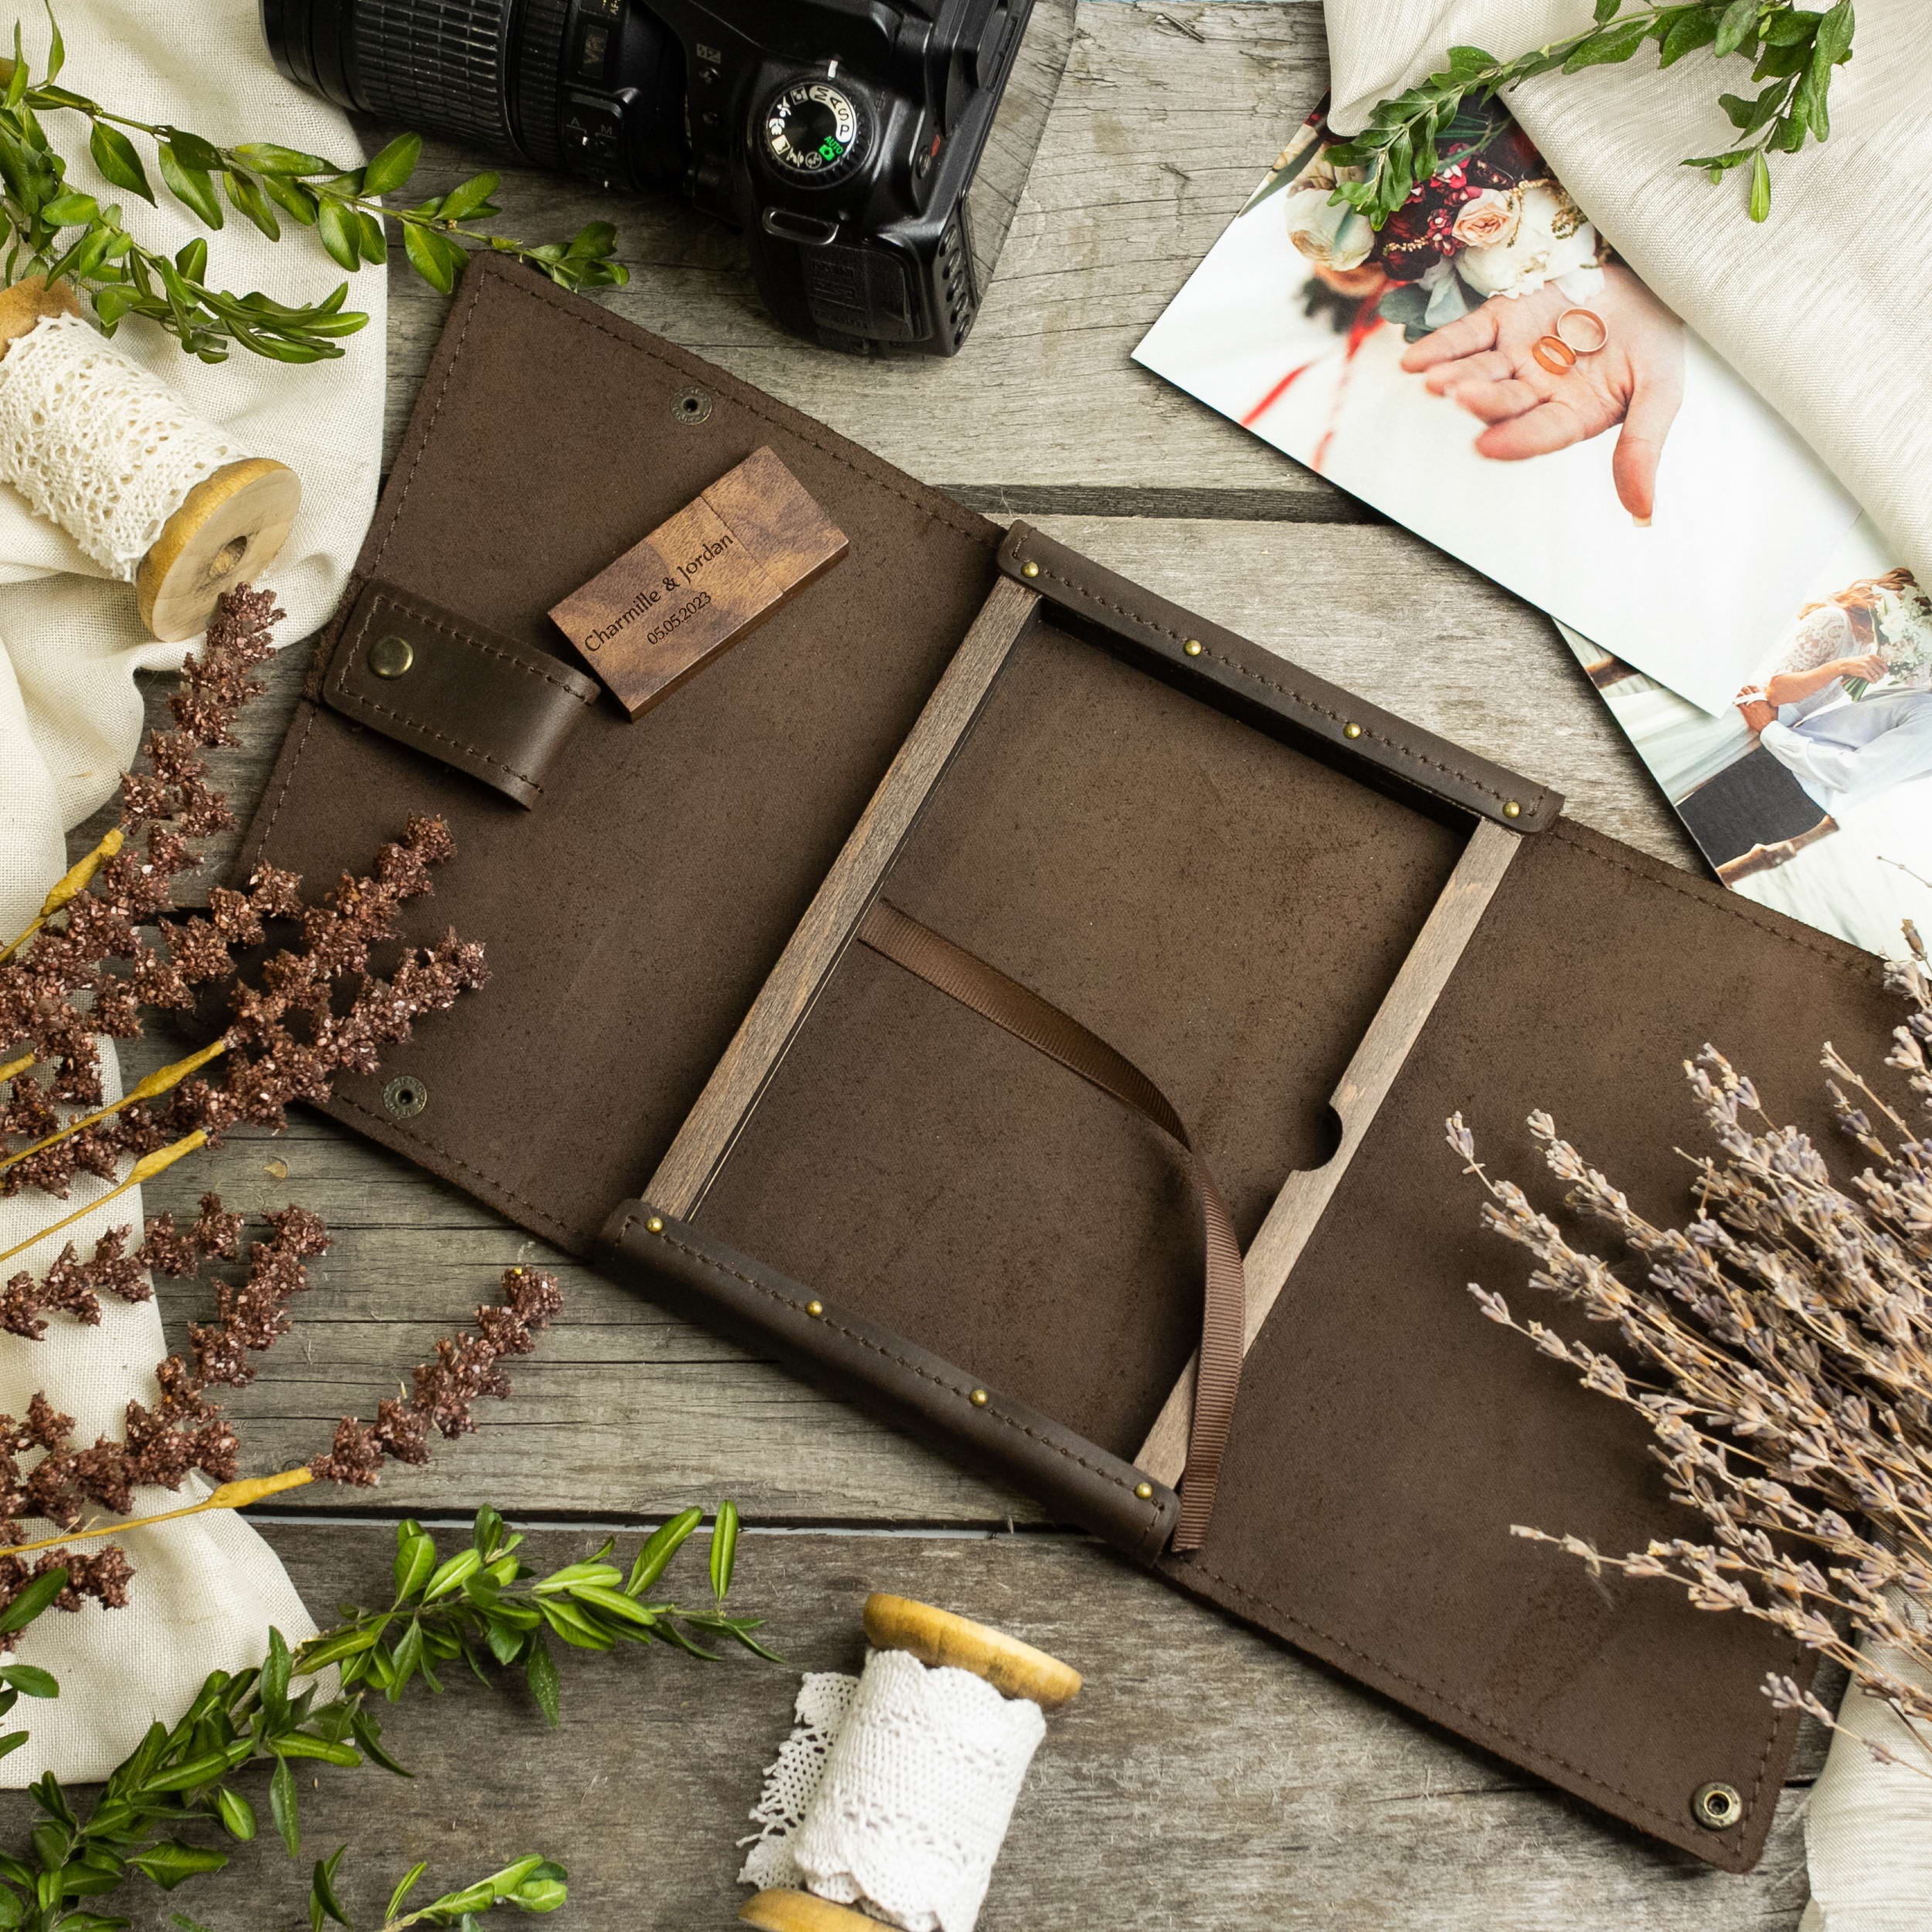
<point x="895" y="1791"/>
<point x="95" y="443"/>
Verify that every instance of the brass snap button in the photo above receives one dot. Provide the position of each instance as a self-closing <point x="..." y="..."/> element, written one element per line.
<point x="389" y="657"/>
<point x="405" y="1096"/>
<point x="693" y="407"/>
<point x="1717" y="1807"/>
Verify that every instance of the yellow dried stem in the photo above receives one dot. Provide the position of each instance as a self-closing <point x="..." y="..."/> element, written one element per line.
<point x="156" y="1083"/>
<point x="71" y="885"/>
<point x="230" y="1495"/>
<point x="14" y="1069"/>
<point x="143" y="1169"/>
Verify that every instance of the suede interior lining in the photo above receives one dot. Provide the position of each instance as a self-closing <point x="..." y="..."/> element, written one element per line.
<point x="1222" y="909"/>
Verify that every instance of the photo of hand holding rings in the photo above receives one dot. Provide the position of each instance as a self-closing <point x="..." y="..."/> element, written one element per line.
<point x="1544" y="372"/>
<point x="1484" y="368"/>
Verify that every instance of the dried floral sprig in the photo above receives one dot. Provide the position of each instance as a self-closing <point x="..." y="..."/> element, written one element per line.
<point x="481" y="1605"/>
<point x="186" y="1432"/>
<point x="466" y="1369"/>
<point x="1782" y="1340"/>
<point x="84" y="968"/>
<point x="1794" y="49"/>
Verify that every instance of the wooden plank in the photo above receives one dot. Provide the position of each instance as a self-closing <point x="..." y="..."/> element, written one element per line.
<point x="1371" y="1072"/>
<point x="1372" y="607"/>
<point x="787" y="996"/>
<point x="1167" y="117"/>
<point x="1205" y="1776"/>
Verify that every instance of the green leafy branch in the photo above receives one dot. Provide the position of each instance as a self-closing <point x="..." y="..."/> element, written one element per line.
<point x="1794" y="52"/>
<point x="482" y="1605"/>
<point x="533" y="1883"/>
<point x="64" y="234"/>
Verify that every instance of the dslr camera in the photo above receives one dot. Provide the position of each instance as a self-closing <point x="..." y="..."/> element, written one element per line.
<point x="872" y="152"/>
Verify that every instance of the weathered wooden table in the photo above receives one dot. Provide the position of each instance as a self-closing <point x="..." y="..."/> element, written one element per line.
<point x="1206" y="1778"/>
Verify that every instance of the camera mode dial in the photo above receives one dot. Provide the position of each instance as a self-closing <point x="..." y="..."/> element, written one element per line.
<point x="814" y="130"/>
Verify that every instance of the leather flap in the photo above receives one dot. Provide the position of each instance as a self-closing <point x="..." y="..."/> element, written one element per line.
<point x="1356" y="728"/>
<point x="491" y="707"/>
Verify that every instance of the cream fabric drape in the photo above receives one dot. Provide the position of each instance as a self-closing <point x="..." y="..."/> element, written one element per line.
<point x="1821" y="309"/>
<point x="207" y="1589"/>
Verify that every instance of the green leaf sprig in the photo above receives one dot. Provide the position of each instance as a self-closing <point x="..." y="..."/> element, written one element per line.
<point x="51" y="229"/>
<point x="1794" y="52"/>
<point x="480" y="1605"/>
<point x="532" y="1883"/>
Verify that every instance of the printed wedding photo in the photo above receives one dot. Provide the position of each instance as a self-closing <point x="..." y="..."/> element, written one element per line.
<point x="1485" y="370"/>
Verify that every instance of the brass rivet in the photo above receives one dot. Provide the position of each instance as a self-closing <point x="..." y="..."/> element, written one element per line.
<point x="654" y="1225"/>
<point x="389" y="657"/>
<point x="1351" y="731"/>
<point x="1718" y="1807"/>
<point x="814" y="1307"/>
<point x="1513" y="810"/>
<point x="692" y="408"/>
<point x="405" y="1096"/>
<point x="1029" y="570"/>
<point x="1192" y="647"/>
<point x="1145" y="1490"/>
<point x="979" y="1398"/>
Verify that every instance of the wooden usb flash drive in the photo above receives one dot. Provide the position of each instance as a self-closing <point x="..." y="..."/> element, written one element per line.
<point x="733" y="555"/>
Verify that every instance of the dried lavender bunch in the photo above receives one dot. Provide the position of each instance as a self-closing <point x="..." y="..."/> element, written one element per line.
<point x="1784" y="1344"/>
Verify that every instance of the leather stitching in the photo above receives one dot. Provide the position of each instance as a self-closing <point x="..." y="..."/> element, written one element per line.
<point x="345" y="656"/>
<point x="1728" y="902"/>
<point x="1470" y="1711"/>
<point x="928" y="505"/>
<point x="1287" y="691"/>
<point x="566" y="1234"/>
<point x="925" y="1375"/>
<point x="397" y="602"/>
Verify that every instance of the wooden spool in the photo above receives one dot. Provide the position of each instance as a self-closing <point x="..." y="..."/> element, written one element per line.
<point x="229" y="527"/>
<point x="939" y="1640"/>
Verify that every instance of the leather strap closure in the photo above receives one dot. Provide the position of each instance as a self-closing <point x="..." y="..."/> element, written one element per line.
<point x="500" y="711"/>
<point x="986" y="991"/>
<point x="1261" y="680"/>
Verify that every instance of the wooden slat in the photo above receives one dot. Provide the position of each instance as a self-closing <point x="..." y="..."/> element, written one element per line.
<point x="1205" y="1777"/>
<point x="1371" y="1072"/>
<point x="760" y="1043"/>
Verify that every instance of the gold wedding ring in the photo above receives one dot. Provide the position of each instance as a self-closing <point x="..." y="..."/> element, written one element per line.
<point x="1582" y="331"/>
<point x="1554" y="354"/>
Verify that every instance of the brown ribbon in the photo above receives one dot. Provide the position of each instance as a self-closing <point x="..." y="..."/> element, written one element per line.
<point x="988" y="992"/>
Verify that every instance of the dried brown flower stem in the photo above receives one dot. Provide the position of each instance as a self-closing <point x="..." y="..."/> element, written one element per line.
<point x="163" y="1081"/>
<point x="71" y="883"/>
<point x="230" y="1495"/>
<point x="143" y="1169"/>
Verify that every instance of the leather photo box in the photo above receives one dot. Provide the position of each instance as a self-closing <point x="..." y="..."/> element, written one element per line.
<point x="703" y="1062"/>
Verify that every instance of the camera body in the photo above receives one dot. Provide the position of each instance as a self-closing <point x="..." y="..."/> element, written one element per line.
<point x="866" y="149"/>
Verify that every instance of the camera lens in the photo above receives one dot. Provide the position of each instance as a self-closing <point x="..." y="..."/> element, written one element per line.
<point x="595" y="86"/>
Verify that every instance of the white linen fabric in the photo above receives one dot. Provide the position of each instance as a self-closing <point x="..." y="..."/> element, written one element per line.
<point x="207" y="1589"/>
<point x="1820" y="310"/>
<point x="895" y="1791"/>
<point x="1869" y="1829"/>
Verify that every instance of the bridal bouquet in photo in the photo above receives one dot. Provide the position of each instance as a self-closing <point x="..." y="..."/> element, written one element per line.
<point x="1902" y="621"/>
<point x="1491" y="220"/>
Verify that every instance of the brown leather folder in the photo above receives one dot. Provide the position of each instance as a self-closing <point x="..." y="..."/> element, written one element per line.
<point x="1317" y="930"/>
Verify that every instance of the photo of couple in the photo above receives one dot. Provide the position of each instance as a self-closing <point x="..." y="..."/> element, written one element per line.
<point x="1485" y="370"/>
<point x="1812" y="793"/>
